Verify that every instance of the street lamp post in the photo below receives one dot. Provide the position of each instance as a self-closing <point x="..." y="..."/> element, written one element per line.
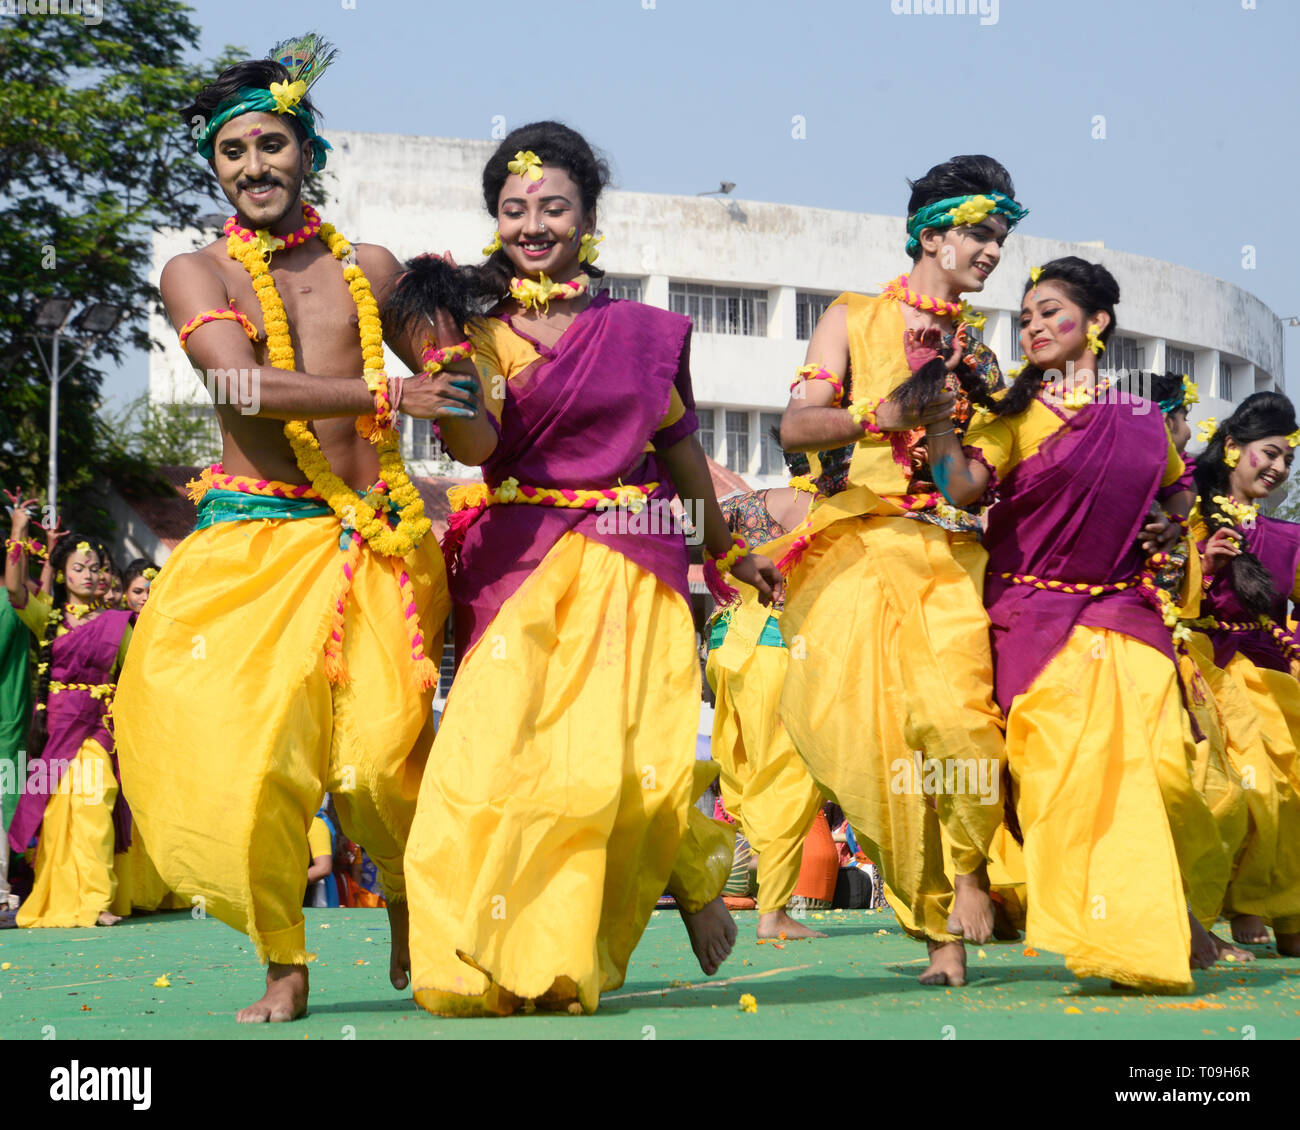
<point x="93" y="323"/>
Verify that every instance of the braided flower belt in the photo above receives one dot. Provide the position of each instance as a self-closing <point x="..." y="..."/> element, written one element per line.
<point x="1280" y="635"/>
<point x="1144" y="582"/>
<point x="468" y="502"/>
<point x="228" y="498"/>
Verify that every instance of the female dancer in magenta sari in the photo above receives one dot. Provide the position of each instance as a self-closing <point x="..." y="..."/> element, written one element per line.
<point x="1252" y="568"/>
<point x="1097" y="739"/>
<point x="765" y="785"/>
<point x="1225" y="724"/>
<point x="889" y="651"/>
<point x="556" y="806"/>
<point x="70" y="792"/>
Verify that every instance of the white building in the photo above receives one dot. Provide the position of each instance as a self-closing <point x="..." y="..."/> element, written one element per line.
<point x="755" y="278"/>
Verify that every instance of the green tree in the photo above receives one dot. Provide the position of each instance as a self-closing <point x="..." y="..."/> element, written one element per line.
<point x="93" y="159"/>
<point x="156" y="433"/>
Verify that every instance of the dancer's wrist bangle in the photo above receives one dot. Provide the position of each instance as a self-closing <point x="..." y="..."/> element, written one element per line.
<point x="435" y="360"/>
<point x="864" y="415"/>
<point x="727" y="562"/>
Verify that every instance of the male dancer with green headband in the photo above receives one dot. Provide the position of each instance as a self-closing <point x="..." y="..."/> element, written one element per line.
<point x="889" y="691"/>
<point x="282" y="652"/>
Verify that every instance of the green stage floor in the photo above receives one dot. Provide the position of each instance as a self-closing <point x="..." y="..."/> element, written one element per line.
<point x="858" y="983"/>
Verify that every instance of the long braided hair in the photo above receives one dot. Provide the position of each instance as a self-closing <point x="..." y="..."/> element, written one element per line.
<point x="1262" y="414"/>
<point x="38" y="732"/>
<point x="1089" y="286"/>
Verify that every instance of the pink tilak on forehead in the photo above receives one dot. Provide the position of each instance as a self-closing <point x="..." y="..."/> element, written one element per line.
<point x="1066" y="325"/>
<point x="254" y="132"/>
<point x="535" y="185"/>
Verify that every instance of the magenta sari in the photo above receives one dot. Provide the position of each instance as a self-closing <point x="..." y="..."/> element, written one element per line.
<point x="580" y="418"/>
<point x="86" y="654"/>
<point x="1072" y="512"/>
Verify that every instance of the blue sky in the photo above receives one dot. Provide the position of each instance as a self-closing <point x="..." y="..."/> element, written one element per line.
<point x="1199" y="99"/>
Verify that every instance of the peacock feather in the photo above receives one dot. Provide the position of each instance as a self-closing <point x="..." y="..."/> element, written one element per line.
<point x="305" y="57"/>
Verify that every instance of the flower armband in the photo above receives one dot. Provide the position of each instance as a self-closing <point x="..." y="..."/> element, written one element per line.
<point x="727" y="562"/>
<point x="819" y="373"/>
<point x="435" y="360"/>
<point x="864" y="415"/>
<point x="224" y="314"/>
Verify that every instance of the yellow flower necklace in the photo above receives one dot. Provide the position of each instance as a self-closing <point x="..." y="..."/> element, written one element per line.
<point x="351" y="509"/>
<point x="540" y="294"/>
<point x="961" y="310"/>
<point x="1080" y="396"/>
<point x="1242" y="514"/>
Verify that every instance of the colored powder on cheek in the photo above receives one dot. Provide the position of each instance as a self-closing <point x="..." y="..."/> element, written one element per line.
<point x="1065" y="325"/>
<point x="1253" y="461"/>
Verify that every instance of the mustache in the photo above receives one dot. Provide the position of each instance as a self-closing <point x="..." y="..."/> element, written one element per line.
<point x="261" y="182"/>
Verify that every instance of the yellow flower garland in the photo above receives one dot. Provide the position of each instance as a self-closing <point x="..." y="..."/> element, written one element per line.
<point x="351" y="509"/>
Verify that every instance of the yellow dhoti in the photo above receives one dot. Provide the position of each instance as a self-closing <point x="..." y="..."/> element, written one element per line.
<point x="557" y="803"/>
<point x="888" y="699"/>
<point x="765" y="785"/>
<point x="229" y="732"/>
<point x="1102" y="872"/>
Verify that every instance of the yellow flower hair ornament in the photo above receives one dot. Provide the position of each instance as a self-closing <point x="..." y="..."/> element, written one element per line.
<point x="1294" y="438"/>
<point x="83" y="547"/>
<point x="287" y="94"/>
<point x="972" y="211"/>
<point x="526" y="163"/>
<point x="1192" y="395"/>
<point x="150" y="573"/>
<point x="1035" y="273"/>
<point x="587" y="252"/>
<point x="495" y="246"/>
<point x="1206" y="428"/>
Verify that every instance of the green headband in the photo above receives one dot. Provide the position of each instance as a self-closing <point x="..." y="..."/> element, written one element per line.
<point x="252" y="100"/>
<point x="958" y="210"/>
<point x="1186" y="396"/>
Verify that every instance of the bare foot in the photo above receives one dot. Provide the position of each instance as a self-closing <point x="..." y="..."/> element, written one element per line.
<point x="1228" y="950"/>
<point x="106" y="918"/>
<point x="947" y="964"/>
<point x="1204" y="952"/>
<point x="399" y="963"/>
<point x="1249" y="930"/>
<point x="285" y="999"/>
<point x="712" y="932"/>
<point x="778" y="924"/>
<point x="1004" y="930"/>
<point x="972" y="909"/>
<point x="1288" y="945"/>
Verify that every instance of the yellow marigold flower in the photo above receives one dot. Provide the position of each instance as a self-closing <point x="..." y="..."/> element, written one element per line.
<point x="748" y="1003"/>
<point x="526" y="163"/>
<point x="287" y="94"/>
<point x="972" y="211"/>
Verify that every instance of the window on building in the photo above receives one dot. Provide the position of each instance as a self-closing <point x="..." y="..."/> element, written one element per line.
<point x="1125" y="353"/>
<point x="737" y="441"/>
<point x="705" y="434"/>
<point x="773" y="458"/>
<point x="1225" y="381"/>
<point x="808" y="309"/>
<point x="617" y="286"/>
<point x="423" y="443"/>
<point x="720" y="309"/>
<point x="1181" y="361"/>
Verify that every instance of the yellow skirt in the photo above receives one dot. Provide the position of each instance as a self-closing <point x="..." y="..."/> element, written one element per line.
<point x="1267" y="880"/>
<point x="558" y="792"/>
<point x="1095" y="746"/>
<point x="76" y="870"/>
<point x="889" y="655"/>
<point x="764" y="783"/>
<point x="229" y="732"/>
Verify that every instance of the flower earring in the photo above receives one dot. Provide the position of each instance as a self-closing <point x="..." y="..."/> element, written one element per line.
<point x="495" y="246"/>
<point x="1094" y="339"/>
<point x="58" y="577"/>
<point x="587" y="253"/>
<point x="1231" y="456"/>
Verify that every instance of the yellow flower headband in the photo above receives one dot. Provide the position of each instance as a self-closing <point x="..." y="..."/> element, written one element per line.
<point x="83" y="547"/>
<point x="149" y="574"/>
